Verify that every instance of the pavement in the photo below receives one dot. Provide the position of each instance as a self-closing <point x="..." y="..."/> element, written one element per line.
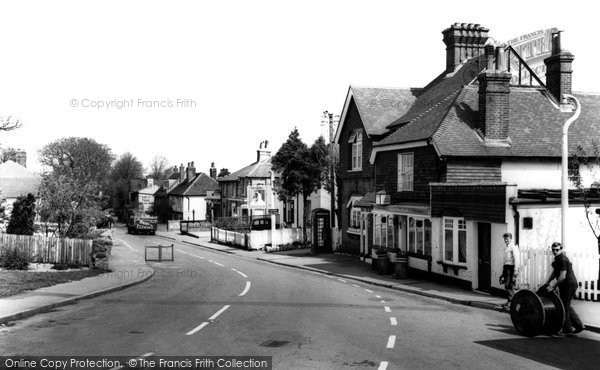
<point x="129" y="268"/>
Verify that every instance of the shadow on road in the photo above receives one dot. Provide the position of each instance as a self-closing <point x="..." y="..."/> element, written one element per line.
<point x="560" y="352"/>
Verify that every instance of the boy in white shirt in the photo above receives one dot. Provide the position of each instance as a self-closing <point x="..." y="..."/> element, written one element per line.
<point x="510" y="268"/>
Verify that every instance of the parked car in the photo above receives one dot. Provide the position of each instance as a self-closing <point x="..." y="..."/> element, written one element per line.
<point x="263" y="223"/>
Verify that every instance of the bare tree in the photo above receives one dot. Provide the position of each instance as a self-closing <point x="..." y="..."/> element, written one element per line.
<point x="158" y="168"/>
<point x="8" y="123"/>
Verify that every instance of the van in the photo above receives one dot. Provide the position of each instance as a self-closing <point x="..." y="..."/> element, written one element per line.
<point x="263" y="224"/>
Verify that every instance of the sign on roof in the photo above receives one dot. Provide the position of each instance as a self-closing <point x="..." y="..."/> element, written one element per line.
<point x="533" y="47"/>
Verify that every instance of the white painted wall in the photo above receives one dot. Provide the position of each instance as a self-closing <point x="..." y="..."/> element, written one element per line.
<point x="537" y="174"/>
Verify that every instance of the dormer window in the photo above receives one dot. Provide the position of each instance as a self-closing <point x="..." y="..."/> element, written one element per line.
<point x="356" y="143"/>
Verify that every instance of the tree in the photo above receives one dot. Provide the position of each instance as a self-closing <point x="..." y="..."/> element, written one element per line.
<point x="224" y="172"/>
<point x="159" y="167"/>
<point x="126" y="168"/>
<point x="22" y="216"/>
<point x="9" y="124"/>
<point x="73" y="192"/>
<point x="590" y="161"/>
<point x="77" y="157"/>
<point x="8" y="154"/>
<point x="301" y="170"/>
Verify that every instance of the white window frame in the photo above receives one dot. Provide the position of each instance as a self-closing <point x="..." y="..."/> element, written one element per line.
<point x="384" y="236"/>
<point x="356" y="141"/>
<point x="458" y="225"/>
<point x="406" y="170"/>
<point x="354" y="213"/>
<point x="418" y="245"/>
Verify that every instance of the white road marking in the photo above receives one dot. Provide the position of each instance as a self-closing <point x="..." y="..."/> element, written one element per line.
<point x="356" y="286"/>
<point x="241" y="273"/>
<point x="378" y="296"/>
<point x="246" y="289"/>
<point x="127" y="245"/>
<point x="197" y="328"/>
<point x="342" y="280"/>
<point x="368" y="291"/>
<point x="217" y="263"/>
<point x="218" y="312"/>
<point x="232" y="269"/>
<point x="393" y="321"/>
<point x="391" y="341"/>
<point x="387" y="309"/>
<point x="383" y="365"/>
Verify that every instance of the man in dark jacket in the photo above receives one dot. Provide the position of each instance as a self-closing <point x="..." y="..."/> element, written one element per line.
<point x="562" y="271"/>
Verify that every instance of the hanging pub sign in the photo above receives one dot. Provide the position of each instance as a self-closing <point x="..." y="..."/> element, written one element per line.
<point x="256" y="197"/>
<point x="533" y="47"/>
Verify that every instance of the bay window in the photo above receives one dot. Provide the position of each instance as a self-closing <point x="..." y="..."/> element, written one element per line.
<point x="419" y="235"/>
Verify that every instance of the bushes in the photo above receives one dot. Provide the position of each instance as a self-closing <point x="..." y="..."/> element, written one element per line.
<point x="14" y="259"/>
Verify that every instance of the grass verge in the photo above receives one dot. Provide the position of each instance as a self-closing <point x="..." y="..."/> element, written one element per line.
<point x="14" y="281"/>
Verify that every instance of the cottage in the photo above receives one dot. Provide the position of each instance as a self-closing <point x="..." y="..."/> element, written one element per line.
<point x="188" y="198"/>
<point x="444" y="171"/>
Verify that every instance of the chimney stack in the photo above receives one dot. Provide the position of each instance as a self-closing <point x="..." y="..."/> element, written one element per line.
<point x="21" y="158"/>
<point x="190" y="171"/>
<point x="463" y="42"/>
<point x="150" y="182"/>
<point x="181" y="173"/>
<point x="213" y="170"/>
<point x="494" y="108"/>
<point x="263" y="153"/>
<point x="559" y="70"/>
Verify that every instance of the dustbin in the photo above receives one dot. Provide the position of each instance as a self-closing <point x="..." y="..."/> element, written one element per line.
<point x="383" y="265"/>
<point x="401" y="268"/>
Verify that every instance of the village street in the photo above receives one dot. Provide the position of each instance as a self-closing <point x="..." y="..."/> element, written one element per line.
<point x="209" y="303"/>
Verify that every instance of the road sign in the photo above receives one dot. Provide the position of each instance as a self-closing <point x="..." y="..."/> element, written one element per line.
<point x="273" y="211"/>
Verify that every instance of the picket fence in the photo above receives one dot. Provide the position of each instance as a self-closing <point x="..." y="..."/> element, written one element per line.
<point x="49" y="249"/>
<point x="536" y="266"/>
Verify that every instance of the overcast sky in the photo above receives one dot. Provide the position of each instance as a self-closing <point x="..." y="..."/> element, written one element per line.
<point x="243" y="71"/>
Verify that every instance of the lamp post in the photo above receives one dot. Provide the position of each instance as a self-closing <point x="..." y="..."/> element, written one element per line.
<point x="564" y="194"/>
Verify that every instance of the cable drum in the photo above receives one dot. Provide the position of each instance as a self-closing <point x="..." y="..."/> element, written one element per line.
<point x="536" y="313"/>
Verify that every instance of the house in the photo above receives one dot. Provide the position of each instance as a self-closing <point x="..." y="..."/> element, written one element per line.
<point x="16" y="181"/>
<point x="248" y="191"/>
<point x="143" y="200"/>
<point x="462" y="161"/>
<point x="188" y="198"/>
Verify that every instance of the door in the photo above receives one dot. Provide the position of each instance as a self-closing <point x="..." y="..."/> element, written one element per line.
<point x="484" y="246"/>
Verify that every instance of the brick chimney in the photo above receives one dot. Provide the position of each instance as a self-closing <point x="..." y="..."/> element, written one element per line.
<point x="21" y="158"/>
<point x="181" y="173"/>
<point x="263" y="153"/>
<point x="190" y="171"/>
<point x="463" y="42"/>
<point x="559" y="69"/>
<point x="213" y="170"/>
<point x="494" y="90"/>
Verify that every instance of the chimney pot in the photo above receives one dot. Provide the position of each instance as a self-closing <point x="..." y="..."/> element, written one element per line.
<point x="559" y="69"/>
<point x="463" y="41"/>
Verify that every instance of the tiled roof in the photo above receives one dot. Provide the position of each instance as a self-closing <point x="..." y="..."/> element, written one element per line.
<point x="16" y="180"/>
<point x="198" y="186"/>
<point x="535" y="125"/>
<point x="260" y="169"/>
<point x="378" y="107"/>
<point x="447" y="112"/>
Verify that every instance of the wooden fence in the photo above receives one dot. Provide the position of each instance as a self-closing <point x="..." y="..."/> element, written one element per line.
<point x="536" y="267"/>
<point x="49" y="249"/>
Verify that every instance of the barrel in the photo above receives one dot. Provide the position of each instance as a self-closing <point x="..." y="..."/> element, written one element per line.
<point x="536" y="313"/>
<point x="383" y="265"/>
<point x="401" y="268"/>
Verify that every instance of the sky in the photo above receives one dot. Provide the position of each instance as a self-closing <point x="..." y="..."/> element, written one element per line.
<point x="207" y="81"/>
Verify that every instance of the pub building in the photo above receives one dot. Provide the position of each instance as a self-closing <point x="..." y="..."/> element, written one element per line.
<point x="444" y="171"/>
